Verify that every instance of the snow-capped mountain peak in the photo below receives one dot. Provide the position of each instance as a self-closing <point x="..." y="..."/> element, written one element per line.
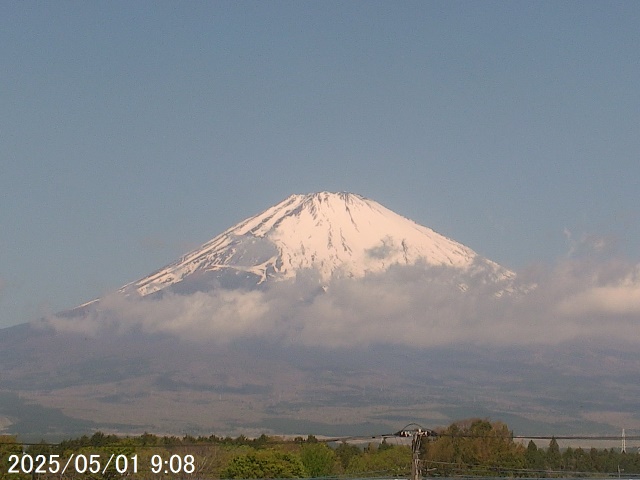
<point x="332" y="233"/>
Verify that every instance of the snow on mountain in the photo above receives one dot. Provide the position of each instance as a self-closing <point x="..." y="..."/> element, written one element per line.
<point x="336" y="234"/>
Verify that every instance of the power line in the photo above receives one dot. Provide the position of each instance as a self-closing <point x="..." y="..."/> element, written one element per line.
<point x="405" y="432"/>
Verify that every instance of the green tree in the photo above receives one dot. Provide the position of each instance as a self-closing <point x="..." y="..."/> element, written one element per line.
<point x="583" y="461"/>
<point x="534" y="457"/>
<point x="554" y="459"/>
<point x="265" y="464"/>
<point x="395" y="461"/>
<point x="8" y="447"/>
<point x="569" y="459"/>
<point x="318" y="459"/>
<point x="476" y="446"/>
<point x="345" y="452"/>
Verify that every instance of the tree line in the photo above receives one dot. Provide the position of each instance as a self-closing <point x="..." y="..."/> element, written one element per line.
<point x="481" y="448"/>
<point x="475" y="447"/>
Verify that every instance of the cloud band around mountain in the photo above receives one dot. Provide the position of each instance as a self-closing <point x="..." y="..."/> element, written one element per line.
<point x="415" y="306"/>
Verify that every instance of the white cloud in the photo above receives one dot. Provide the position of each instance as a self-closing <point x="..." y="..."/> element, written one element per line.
<point x="413" y="306"/>
<point x="589" y="244"/>
<point x="219" y="316"/>
<point x="611" y="300"/>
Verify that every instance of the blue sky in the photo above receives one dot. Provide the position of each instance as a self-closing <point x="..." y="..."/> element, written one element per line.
<point x="132" y="132"/>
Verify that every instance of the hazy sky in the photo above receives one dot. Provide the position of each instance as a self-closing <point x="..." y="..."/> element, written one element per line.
<point x="131" y="132"/>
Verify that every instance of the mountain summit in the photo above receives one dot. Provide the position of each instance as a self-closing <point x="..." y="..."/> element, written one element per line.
<point x="334" y="234"/>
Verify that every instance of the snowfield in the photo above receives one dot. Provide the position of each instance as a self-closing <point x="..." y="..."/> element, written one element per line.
<point x="335" y="234"/>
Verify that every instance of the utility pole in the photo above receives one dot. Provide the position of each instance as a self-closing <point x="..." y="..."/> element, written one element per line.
<point x="416" y="473"/>
<point x="418" y="434"/>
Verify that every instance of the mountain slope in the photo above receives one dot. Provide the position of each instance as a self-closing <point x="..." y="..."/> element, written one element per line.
<point x="373" y="351"/>
<point x="335" y="234"/>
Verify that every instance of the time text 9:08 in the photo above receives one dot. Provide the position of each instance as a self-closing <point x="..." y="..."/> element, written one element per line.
<point x="93" y="463"/>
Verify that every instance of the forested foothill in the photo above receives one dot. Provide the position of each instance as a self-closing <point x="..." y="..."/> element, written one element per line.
<point x="474" y="447"/>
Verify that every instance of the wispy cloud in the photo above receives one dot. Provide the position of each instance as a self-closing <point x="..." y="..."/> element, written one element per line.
<point x="414" y="306"/>
<point x="589" y="244"/>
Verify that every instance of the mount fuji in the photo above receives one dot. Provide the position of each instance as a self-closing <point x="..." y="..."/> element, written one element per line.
<point x="325" y="314"/>
<point x="335" y="235"/>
